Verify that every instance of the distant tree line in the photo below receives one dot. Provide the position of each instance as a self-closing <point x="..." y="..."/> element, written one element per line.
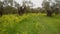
<point x="12" y="7"/>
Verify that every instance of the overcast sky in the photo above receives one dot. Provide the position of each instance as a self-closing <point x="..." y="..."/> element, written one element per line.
<point x="37" y="3"/>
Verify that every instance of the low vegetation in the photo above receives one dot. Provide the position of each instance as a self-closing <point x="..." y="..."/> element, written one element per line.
<point x="29" y="24"/>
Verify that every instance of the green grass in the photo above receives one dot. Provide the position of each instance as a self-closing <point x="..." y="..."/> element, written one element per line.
<point x="29" y="24"/>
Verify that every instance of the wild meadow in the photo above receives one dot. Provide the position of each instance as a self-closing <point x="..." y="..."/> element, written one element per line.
<point x="30" y="24"/>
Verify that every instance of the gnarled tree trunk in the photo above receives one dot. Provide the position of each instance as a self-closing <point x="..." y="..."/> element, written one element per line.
<point x="1" y="10"/>
<point x="21" y="10"/>
<point x="49" y="13"/>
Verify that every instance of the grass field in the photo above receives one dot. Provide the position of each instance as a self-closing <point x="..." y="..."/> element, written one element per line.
<point x="29" y="24"/>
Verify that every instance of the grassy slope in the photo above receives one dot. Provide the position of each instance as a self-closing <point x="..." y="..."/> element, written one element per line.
<point x="29" y="24"/>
